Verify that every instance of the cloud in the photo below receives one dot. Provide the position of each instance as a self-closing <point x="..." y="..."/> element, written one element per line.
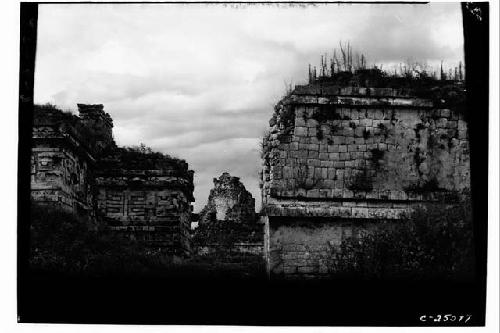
<point x="200" y="81"/>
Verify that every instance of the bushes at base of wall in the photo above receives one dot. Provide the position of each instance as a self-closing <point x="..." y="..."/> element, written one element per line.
<point x="435" y="242"/>
<point x="63" y="244"/>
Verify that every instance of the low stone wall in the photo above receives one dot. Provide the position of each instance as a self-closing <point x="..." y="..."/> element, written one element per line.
<point x="254" y="248"/>
<point x="304" y="247"/>
<point x="226" y="241"/>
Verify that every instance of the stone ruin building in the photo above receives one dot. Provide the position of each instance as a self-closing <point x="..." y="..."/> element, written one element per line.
<point x="229" y="200"/>
<point x="340" y="159"/>
<point x="76" y="166"/>
<point x="228" y="222"/>
<point x="147" y="198"/>
<point x="62" y="160"/>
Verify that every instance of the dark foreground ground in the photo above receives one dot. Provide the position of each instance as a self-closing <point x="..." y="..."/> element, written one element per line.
<point x="208" y="301"/>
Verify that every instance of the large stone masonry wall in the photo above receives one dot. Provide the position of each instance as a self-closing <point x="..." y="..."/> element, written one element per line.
<point x="60" y="166"/>
<point x="335" y="155"/>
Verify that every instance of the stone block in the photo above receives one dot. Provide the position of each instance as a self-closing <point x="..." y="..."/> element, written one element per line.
<point x="323" y="156"/>
<point x="354" y="114"/>
<point x="334" y="156"/>
<point x="333" y="148"/>
<point x="312" y="123"/>
<point x="451" y="124"/>
<point x="378" y="114"/>
<point x="365" y="122"/>
<point x="314" y="140"/>
<point x="328" y="184"/>
<point x="314" y="193"/>
<point x="302" y="154"/>
<point x="359" y="141"/>
<point x="350" y="141"/>
<point x="445" y="113"/>
<point x="338" y="164"/>
<point x="313" y="162"/>
<point x="348" y="131"/>
<point x="301" y="131"/>
<point x="326" y="164"/>
<point x="313" y="154"/>
<point x="339" y="140"/>
<point x="441" y="122"/>
<point x="462" y="125"/>
<point x="314" y="146"/>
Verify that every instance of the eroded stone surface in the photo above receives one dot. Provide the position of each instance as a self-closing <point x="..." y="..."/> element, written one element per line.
<point x="61" y="162"/>
<point x="229" y="200"/>
<point x="152" y="204"/>
<point x="228" y="223"/>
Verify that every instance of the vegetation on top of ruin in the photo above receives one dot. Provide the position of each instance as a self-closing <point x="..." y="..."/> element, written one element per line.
<point x="50" y="115"/>
<point x="347" y="68"/>
<point x="350" y="68"/>
<point x="141" y="158"/>
<point x="138" y="157"/>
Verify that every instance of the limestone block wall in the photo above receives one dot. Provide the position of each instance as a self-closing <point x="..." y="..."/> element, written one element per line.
<point x="60" y="171"/>
<point x="362" y="148"/>
<point x="305" y="247"/>
<point x="337" y="158"/>
<point x="148" y="205"/>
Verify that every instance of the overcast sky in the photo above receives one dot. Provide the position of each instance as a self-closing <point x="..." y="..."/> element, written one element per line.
<point x="199" y="81"/>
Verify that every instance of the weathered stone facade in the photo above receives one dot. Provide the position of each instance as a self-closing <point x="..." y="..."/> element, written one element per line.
<point x="93" y="116"/>
<point x="77" y="166"/>
<point x="60" y="163"/>
<point x="228" y="223"/>
<point x="151" y="203"/>
<point x="336" y="160"/>
<point x="229" y="200"/>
